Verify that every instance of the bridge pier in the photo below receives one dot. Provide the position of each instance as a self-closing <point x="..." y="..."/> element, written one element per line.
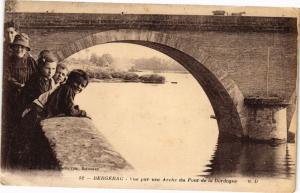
<point x="267" y="119"/>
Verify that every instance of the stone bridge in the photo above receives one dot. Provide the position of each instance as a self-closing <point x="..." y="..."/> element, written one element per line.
<point x="247" y="66"/>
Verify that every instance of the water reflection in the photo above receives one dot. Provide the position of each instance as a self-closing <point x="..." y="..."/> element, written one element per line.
<point x="233" y="158"/>
<point x="166" y="128"/>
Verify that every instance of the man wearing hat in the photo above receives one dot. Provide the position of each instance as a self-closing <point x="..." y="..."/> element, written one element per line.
<point x="19" y="68"/>
<point x="21" y="65"/>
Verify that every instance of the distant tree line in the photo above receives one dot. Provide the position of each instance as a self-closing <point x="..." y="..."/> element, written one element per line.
<point x="104" y="60"/>
<point x="157" y="64"/>
<point x="107" y="61"/>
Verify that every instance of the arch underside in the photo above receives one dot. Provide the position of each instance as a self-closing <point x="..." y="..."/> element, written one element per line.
<point x="224" y="95"/>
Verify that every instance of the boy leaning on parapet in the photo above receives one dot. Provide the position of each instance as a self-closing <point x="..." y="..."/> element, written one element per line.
<point x="61" y="101"/>
<point x="59" y="78"/>
<point x="42" y="81"/>
<point x="57" y="103"/>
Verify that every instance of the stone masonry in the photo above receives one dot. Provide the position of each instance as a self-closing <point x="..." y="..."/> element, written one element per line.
<point x="232" y="57"/>
<point x="76" y="143"/>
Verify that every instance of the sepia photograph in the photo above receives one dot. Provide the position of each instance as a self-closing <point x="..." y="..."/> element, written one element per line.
<point x="149" y="96"/>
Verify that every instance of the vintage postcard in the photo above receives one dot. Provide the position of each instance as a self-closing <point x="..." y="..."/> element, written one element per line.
<point x="178" y="97"/>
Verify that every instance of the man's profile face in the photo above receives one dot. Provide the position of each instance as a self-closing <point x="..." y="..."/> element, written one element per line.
<point x="10" y="34"/>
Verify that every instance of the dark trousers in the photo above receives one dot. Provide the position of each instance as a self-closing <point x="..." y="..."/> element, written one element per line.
<point x="25" y="151"/>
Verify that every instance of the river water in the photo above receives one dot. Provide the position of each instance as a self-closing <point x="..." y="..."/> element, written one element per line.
<point x="166" y="128"/>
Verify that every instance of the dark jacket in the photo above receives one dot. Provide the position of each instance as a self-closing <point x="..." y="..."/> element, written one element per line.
<point x="61" y="102"/>
<point x="16" y="72"/>
<point x="34" y="87"/>
<point x="20" y="70"/>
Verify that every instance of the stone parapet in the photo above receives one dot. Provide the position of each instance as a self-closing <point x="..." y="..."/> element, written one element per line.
<point x="152" y="21"/>
<point x="78" y="145"/>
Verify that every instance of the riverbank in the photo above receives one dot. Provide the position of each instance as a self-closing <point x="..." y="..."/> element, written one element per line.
<point x="118" y="77"/>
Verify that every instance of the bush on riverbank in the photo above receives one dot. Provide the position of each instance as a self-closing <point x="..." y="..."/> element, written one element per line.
<point x="131" y="77"/>
<point x="120" y="75"/>
<point x="125" y="76"/>
<point x="152" y="78"/>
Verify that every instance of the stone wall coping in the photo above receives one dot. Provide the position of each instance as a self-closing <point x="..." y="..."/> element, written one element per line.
<point x="154" y="22"/>
<point x="78" y="144"/>
<point x="265" y="101"/>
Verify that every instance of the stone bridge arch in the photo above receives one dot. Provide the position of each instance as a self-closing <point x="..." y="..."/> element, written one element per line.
<point x="224" y="95"/>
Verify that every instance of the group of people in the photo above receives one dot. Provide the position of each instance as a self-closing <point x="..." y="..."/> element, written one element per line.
<point x="32" y="91"/>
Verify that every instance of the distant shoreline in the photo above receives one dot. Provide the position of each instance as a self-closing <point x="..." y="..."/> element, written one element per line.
<point x="156" y="78"/>
<point x="117" y="80"/>
<point x="118" y="77"/>
<point x="114" y="80"/>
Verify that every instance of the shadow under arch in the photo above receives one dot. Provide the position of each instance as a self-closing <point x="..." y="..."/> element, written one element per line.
<point x="223" y="93"/>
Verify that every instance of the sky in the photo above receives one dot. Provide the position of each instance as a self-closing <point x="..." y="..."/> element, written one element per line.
<point x="120" y="51"/>
<point x="92" y="7"/>
<point x="122" y="59"/>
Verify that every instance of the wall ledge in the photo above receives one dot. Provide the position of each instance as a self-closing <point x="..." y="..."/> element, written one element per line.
<point x="78" y="145"/>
